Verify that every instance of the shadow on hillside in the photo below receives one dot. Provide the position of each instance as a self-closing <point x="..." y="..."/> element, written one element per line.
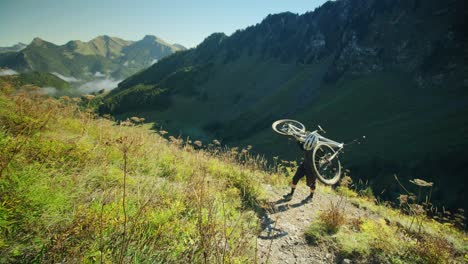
<point x="280" y="206"/>
<point x="269" y="230"/>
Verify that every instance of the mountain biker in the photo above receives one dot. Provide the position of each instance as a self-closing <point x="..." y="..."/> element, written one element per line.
<point x="305" y="169"/>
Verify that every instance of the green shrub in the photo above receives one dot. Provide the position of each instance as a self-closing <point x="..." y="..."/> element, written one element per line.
<point x="316" y="232"/>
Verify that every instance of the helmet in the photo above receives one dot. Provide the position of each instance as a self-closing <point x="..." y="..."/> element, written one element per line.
<point x="310" y="142"/>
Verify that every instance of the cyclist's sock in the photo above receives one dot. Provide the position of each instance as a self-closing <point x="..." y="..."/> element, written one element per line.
<point x="292" y="191"/>
<point x="309" y="197"/>
<point x="290" y="194"/>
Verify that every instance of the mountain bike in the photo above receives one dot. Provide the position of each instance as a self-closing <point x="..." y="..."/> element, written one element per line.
<point x="325" y="151"/>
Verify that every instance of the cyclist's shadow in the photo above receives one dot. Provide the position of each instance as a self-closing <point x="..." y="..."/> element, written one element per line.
<point x="281" y="205"/>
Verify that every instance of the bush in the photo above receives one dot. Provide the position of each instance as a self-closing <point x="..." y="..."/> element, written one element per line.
<point x="433" y="249"/>
<point x="328" y="223"/>
<point x="373" y="239"/>
<point x="315" y="233"/>
<point x="333" y="218"/>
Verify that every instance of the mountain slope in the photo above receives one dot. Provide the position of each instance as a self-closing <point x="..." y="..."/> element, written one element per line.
<point x="102" y="55"/>
<point x="39" y="79"/>
<point x="394" y="71"/>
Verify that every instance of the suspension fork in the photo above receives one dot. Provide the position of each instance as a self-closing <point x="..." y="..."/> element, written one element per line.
<point x="334" y="155"/>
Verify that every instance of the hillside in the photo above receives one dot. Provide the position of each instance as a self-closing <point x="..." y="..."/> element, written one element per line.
<point x="103" y="55"/>
<point x="393" y="71"/>
<point x="75" y="187"/>
<point x="39" y="79"/>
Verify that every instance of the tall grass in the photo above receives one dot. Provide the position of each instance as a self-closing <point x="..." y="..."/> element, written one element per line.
<point x="386" y="235"/>
<point x="75" y="187"/>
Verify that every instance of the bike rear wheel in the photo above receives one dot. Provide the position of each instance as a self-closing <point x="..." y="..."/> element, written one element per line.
<point x="283" y="126"/>
<point x="328" y="171"/>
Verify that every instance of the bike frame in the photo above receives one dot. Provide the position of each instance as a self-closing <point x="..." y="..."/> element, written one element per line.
<point x="302" y="135"/>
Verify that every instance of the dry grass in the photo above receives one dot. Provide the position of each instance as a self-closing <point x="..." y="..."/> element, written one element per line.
<point x="79" y="188"/>
<point x="333" y="217"/>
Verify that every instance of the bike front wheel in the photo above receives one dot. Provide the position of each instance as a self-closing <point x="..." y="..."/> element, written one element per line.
<point x="327" y="170"/>
<point x="287" y="126"/>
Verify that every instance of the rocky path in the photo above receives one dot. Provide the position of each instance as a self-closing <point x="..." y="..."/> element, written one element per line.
<point x="285" y="222"/>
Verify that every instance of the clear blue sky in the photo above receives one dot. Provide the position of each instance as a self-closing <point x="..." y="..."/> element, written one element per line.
<point x="186" y="22"/>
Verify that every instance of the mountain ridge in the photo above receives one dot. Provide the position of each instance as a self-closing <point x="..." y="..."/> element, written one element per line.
<point x="104" y="54"/>
<point x="15" y="48"/>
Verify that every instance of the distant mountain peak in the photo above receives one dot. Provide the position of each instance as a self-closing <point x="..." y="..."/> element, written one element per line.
<point x="102" y="37"/>
<point x="150" y="37"/>
<point x="154" y="39"/>
<point x="107" y="38"/>
<point x="37" y="41"/>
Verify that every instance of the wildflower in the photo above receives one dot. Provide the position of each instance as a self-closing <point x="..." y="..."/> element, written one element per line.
<point x="346" y="181"/>
<point x="126" y="123"/>
<point x="66" y="98"/>
<point x="89" y="97"/>
<point x="137" y="119"/>
<point x="403" y="199"/>
<point x="421" y="183"/>
<point x="417" y="209"/>
<point x="198" y="143"/>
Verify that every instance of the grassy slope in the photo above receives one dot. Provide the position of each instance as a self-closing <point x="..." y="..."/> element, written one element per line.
<point x="267" y="88"/>
<point x="65" y="172"/>
<point x="386" y="235"/>
<point x="53" y="59"/>
<point x="40" y="79"/>
<point x="62" y="180"/>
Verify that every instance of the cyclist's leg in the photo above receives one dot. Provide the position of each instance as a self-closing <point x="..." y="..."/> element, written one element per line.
<point x="299" y="174"/>
<point x="311" y="182"/>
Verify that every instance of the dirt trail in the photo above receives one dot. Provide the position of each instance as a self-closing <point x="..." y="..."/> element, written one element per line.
<point x="282" y="239"/>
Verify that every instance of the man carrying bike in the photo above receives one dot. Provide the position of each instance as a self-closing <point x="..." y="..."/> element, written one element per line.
<point x="305" y="169"/>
